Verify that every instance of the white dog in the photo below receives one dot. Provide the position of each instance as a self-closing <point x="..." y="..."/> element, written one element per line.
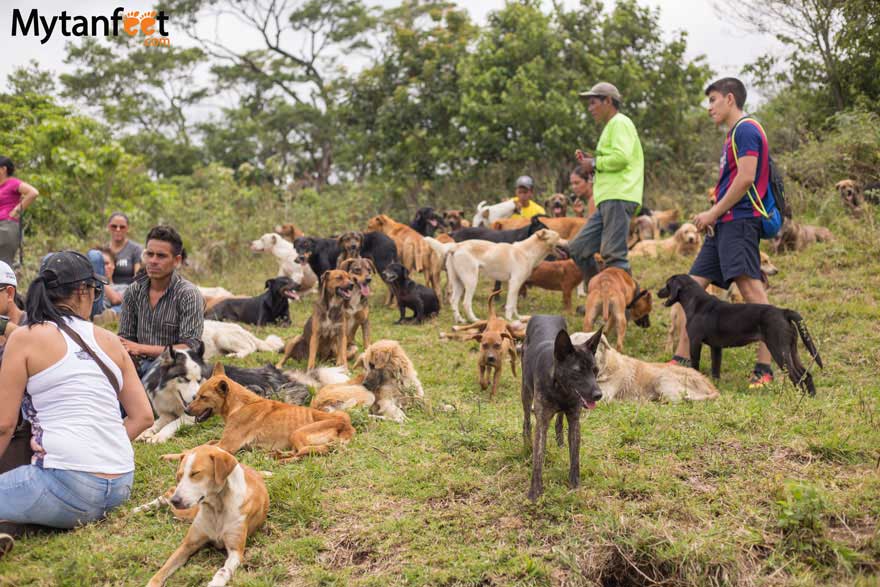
<point x="486" y="215"/>
<point x="625" y="378"/>
<point x="229" y="338"/>
<point x="215" y="292"/>
<point x="508" y="262"/>
<point x="287" y="256"/>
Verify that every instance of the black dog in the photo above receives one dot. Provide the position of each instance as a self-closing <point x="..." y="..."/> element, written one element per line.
<point x="375" y="246"/>
<point x="557" y="376"/>
<point x="320" y="253"/>
<point x="271" y="306"/>
<point x="720" y="325"/>
<point x="420" y="299"/>
<point x="426" y="221"/>
<point x="499" y="236"/>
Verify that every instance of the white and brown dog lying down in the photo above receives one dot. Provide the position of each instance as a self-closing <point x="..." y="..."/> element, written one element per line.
<point x="388" y="384"/>
<point x="686" y="241"/>
<point x="226" y="501"/>
<point x="286" y="254"/>
<point x="623" y="378"/>
<point x="229" y="339"/>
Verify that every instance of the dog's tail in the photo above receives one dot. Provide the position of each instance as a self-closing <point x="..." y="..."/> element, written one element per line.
<point x="441" y="249"/>
<point x="492" y="297"/>
<point x="606" y="304"/>
<point x="801" y="326"/>
<point x="272" y="344"/>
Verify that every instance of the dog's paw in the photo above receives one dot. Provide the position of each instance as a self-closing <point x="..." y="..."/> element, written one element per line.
<point x="158" y="438"/>
<point x="145" y="436"/>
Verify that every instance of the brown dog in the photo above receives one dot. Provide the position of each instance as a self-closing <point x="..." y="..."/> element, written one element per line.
<point x="797" y="237"/>
<point x="557" y="206"/>
<point x="289" y="231"/>
<point x="567" y="227"/>
<point x="562" y="276"/>
<point x="325" y="333"/>
<point x="615" y="294"/>
<point x="350" y="244"/>
<point x="414" y="252"/>
<point x="455" y="219"/>
<point x="226" y="501"/>
<point x="251" y="420"/>
<point x="642" y="228"/>
<point x="361" y="271"/>
<point x="496" y="340"/>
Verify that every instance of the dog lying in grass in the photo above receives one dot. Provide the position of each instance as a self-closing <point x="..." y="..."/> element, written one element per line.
<point x="623" y="378"/>
<point x="720" y="325"/>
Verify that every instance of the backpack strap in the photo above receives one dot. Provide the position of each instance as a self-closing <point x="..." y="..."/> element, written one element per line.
<point x="757" y="202"/>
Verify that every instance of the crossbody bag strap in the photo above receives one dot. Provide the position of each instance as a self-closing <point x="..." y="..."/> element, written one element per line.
<point x="757" y="202"/>
<point x="78" y="340"/>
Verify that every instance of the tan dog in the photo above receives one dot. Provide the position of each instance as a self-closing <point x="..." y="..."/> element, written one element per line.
<point x="361" y="271"/>
<point x="686" y="241"/>
<point x="564" y="276"/>
<point x="414" y="253"/>
<point x="251" y="420"/>
<point x="677" y="318"/>
<point x="342" y="397"/>
<point x="616" y="295"/>
<point x="796" y="237"/>
<point x="228" y="502"/>
<point x="289" y="231"/>
<point x="557" y="206"/>
<point x="455" y="219"/>
<point x="623" y="378"/>
<point x="508" y="262"/>
<point x="567" y="227"/>
<point x="325" y="333"/>
<point x="851" y="194"/>
<point x="496" y="340"/>
<point x="642" y="228"/>
<point x="390" y="374"/>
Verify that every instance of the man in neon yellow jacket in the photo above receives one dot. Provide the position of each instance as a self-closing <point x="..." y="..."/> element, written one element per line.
<point x="619" y="168"/>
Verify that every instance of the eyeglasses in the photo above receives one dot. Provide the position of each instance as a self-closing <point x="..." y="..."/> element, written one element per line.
<point x="118" y="226"/>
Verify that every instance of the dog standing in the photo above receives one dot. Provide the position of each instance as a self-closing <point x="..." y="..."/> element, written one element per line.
<point x="615" y="294"/>
<point x="564" y="276"/>
<point x="230" y="501"/>
<point x="557" y="376"/>
<point x="486" y="215"/>
<point x="720" y="325"/>
<point x="495" y="340"/>
<point x="413" y="251"/>
<point x="358" y="308"/>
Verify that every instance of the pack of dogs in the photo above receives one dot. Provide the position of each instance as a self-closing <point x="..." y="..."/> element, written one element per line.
<point x="293" y="414"/>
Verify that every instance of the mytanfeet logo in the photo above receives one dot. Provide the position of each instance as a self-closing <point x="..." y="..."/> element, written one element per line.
<point x="133" y="23"/>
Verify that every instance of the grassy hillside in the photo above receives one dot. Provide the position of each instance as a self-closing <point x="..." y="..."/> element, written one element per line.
<point x="757" y="488"/>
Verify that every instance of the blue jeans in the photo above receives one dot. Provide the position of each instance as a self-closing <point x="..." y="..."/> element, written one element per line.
<point x="97" y="259"/>
<point x="59" y="498"/>
<point x="604" y="233"/>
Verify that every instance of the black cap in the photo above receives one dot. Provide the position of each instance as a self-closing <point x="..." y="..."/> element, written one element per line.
<point x="66" y="267"/>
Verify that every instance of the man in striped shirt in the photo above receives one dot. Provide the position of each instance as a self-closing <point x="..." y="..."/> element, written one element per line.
<point x="160" y="307"/>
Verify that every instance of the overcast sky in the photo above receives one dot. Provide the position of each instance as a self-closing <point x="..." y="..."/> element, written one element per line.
<point x="726" y="49"/>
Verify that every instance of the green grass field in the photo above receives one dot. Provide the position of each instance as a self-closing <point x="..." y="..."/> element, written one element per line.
<point x="757" y="488"/>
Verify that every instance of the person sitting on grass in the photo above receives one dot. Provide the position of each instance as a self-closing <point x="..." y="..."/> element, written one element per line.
<point x="68" y="377"/>
<point x="161" y="308"/>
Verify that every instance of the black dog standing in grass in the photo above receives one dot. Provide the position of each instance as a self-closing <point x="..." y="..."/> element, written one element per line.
<point x="415" y="296"/>
<point x="557" y="376"/>
<point x="270" y="307"/>
<point x="720" y="325"/>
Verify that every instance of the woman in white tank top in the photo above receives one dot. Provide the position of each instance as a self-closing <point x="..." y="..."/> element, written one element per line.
<point x="83" y="461"/>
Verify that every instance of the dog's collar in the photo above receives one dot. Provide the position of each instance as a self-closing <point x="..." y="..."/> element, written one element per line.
<point x="640" y="293"/>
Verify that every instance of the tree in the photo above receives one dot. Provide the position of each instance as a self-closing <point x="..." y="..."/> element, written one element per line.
<point x="30" y="79"/>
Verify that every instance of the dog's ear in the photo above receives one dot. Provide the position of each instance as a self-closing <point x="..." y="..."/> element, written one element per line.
<point x="592" y="345"/>
<point x="562" y="347"/>
<point x="274" y="239"/>
<point x="373" y="267"/>
<point x="477" y="336"/>
<point x="224" y="464"/>
<point x="218" y="369"/>
<point x="167" y="356"/>
<point x="222" y="387"/>
<point x="324" y="277"/>
<point x="269" y="283"/>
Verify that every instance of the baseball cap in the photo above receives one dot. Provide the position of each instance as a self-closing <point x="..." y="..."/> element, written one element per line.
<point x="524" y="181"/>
<point x="66" y="267"/>
<point x="7" y="275"/>
<point x="602" y="90"/>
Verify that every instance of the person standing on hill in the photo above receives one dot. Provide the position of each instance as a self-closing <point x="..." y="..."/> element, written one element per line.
<point x="15" y="197"/>
<point x="619" y="168"/>
<point x="731" y="254"/>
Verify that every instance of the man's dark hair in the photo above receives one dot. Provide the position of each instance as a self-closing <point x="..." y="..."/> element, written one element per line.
<point x="615" y="102"/>
<point x="166" y="233"/>
<point x="729" y="85"/>
<point x="8" y="164"/>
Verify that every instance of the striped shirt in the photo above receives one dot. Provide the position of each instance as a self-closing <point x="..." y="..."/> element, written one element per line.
<point x="178" y="317"/>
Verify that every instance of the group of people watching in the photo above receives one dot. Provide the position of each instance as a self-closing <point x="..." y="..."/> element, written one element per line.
<point x="70" y="386"/>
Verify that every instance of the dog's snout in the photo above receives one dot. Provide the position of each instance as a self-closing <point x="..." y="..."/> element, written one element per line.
<point x="177" y="502"/>
<point x="597" y="394"/>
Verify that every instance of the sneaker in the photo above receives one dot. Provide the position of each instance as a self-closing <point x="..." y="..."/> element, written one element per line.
<point x="679" y="360"/>
<point x="759" y="379"/>
<point x="6" y="544"/>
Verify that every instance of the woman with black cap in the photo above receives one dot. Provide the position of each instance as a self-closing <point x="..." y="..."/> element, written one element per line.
<point x="68" y="376"/>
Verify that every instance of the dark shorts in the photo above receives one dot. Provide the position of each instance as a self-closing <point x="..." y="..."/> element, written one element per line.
<point x="732" y="252"/>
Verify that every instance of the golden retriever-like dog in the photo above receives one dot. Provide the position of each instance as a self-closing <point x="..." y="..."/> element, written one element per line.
<point x="414" y="252"/>
<point x="686" y="241"/>
<point x="796" y="237"/>
<point x="854" y="195"/>
<point x="251" y="420"/>
<point x="623" y="378"/>
<point x="390" y="375"/>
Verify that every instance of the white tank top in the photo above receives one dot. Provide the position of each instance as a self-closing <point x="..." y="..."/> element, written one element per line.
<point x="75" y="413"/>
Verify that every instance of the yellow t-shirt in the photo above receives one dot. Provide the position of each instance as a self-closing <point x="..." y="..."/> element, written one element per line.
<point x="533" y="209"/>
